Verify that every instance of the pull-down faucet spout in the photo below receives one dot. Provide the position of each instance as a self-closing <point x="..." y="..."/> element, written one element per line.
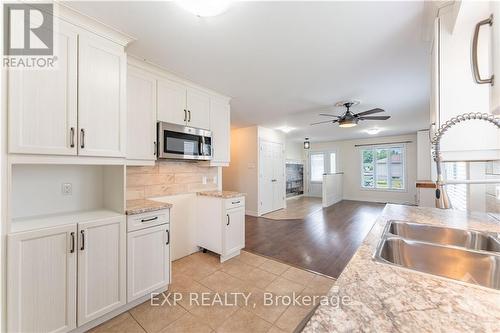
<point x="442" y="199"/>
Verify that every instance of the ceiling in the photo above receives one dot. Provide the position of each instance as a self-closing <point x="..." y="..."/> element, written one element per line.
<point x="284" y="62"/>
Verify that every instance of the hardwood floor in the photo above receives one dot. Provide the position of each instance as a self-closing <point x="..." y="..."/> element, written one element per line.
<point x="323" y="242"/>
<point x="297" y="208"/>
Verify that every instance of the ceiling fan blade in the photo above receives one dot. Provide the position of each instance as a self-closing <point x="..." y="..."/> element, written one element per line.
<point x="324" y="122"/>
<point x="328" y="115"/>
<point x="365" y="113"/>
<point x="375" y="118"/>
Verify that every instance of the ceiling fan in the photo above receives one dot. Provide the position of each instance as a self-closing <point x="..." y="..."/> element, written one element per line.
<point x="349" y="119"/>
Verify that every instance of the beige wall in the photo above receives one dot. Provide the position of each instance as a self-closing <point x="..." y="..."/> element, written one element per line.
<point x="348" y="161"/>
<point x="242" y="174"/>
<point x="169" y="177"/>
<point x="294" y="151"/>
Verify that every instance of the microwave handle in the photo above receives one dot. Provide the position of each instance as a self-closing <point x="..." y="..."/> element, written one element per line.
<point x="201" y="145"/>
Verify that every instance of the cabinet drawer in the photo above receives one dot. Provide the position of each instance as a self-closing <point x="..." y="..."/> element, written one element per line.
<point x="146" y="220"/>
<point x="235" y="202"/>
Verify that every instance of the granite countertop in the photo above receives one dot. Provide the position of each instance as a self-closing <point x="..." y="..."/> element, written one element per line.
<point x="384" y="298"/>
<point x="144" y="205"/>
<point x="222" y="194"/>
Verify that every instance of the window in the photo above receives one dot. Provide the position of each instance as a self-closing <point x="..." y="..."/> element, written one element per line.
<point x="317" y="167"/>
<point x="456" y="192"/>
<point x="383" y="168"/>
<point x="333" y="163"/>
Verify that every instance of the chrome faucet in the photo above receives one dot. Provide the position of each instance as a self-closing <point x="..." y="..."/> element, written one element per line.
<point x="442" y="199"/>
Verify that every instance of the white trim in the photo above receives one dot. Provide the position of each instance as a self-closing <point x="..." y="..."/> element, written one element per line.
<point x="404" y="162"/>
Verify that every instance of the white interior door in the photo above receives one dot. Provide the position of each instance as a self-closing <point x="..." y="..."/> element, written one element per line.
<point x="102" y="102"/>
<point x="42" y="104"/>
<point x="101" y="267"/>
<point x="41" y="282"/>
<point x="272" y="177"/>
<point x="278" y="177"/>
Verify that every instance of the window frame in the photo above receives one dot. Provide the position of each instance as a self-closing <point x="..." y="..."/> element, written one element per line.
<point x="404" y="177"/>
<point x="310" y="166"/>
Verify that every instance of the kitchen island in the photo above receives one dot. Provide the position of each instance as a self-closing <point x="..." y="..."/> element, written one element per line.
<point x="384" y="298"/>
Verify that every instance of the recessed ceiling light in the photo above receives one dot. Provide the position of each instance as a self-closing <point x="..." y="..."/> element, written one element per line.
<point x="205" y="8"/>
<point x="285" y="129"/>
<point x="373" y="131"/>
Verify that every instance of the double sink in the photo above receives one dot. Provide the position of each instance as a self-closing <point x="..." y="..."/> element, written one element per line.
<point x="464" y="255"/>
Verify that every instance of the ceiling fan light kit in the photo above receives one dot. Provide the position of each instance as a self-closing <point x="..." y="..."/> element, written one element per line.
<point x="349" y="119"/>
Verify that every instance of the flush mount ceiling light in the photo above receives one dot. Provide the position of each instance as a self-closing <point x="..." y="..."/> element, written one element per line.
<point x="285" y="129"/>
<point x="205" y="8"/>
<point x="307" y="144"/>
<point x="373" y="131"/>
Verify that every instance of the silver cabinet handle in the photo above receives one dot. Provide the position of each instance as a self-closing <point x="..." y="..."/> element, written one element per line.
<point x="82" y="138"/>
<point x="150" y="219"/>
<point x="475" y="65"/>
<point x="228" y="219"/>
<point x="235" y="202"/>
<point x="82" y="233"/>
<point x="185" y="115"/>
<point x="72" y="249"/>
<point x="168" y="237"/>
<point x="189" y="113"/>
<point x="155" y="148"/>
<point x="72" y="137"/>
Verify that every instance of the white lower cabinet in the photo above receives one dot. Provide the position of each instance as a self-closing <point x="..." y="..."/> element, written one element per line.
<point x="221" y="225"/>
<point x="101" y="267"/>
<point x="43" y="279"/>
<point x="148" y="260"/>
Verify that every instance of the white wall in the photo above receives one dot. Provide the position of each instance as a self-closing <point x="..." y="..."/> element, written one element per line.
<point x="348" y="162"/>
<point x="424" y="160"/>
<point x="294" y="151"/>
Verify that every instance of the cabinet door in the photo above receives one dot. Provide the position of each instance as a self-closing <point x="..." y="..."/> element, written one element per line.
<point x="234" y="230"/>
<point x="101" y="267"/>
<point x="148" y="266"/>
<point x="220" y="127"/>
<point x="42" y="104"/>
<point x="198" y="106"/>
<point x="457" y="89"/>
<point x="495" y="59"/>
<point x="172" y="102"/>
<point x="141" y="115"/>
<point x="41" y="281"/>
<point x="101" y="97"/>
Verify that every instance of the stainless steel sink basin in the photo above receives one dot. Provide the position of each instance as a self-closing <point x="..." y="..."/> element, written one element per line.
<point x="463" y="255"/>
<point x="459" y="264"/>
<point x="469" y="239"/>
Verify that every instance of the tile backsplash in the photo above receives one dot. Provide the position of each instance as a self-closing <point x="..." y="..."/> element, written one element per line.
<point x="169" y="177"/>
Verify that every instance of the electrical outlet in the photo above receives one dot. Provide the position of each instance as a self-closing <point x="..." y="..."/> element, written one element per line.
<point x="67" y="189"/>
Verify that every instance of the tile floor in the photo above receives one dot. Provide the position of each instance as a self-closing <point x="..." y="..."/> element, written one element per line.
<point x="202" y="273"/>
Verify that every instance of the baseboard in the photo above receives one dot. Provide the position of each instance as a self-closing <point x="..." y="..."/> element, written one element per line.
<point x="251" y="213"/>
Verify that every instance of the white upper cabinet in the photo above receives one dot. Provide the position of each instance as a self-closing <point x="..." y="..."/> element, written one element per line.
<point x="101" y="267"/>
<point x="141" y="116"/>
<point x="42" y="104"/>
<point x="171" y="102"/>
<point x="457" y="92"/>
<point x="183" y="105"/>
<point x="495" y="59"/>
<point x="220" y="127"/>
<point x="101" y="97"/>
<point x="198" y="109"/>
<point x="41" y="280"/>
<point x="77" y="108"/>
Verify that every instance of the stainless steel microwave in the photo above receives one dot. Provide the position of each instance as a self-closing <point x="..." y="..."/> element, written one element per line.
<point x="183" y="142"/>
